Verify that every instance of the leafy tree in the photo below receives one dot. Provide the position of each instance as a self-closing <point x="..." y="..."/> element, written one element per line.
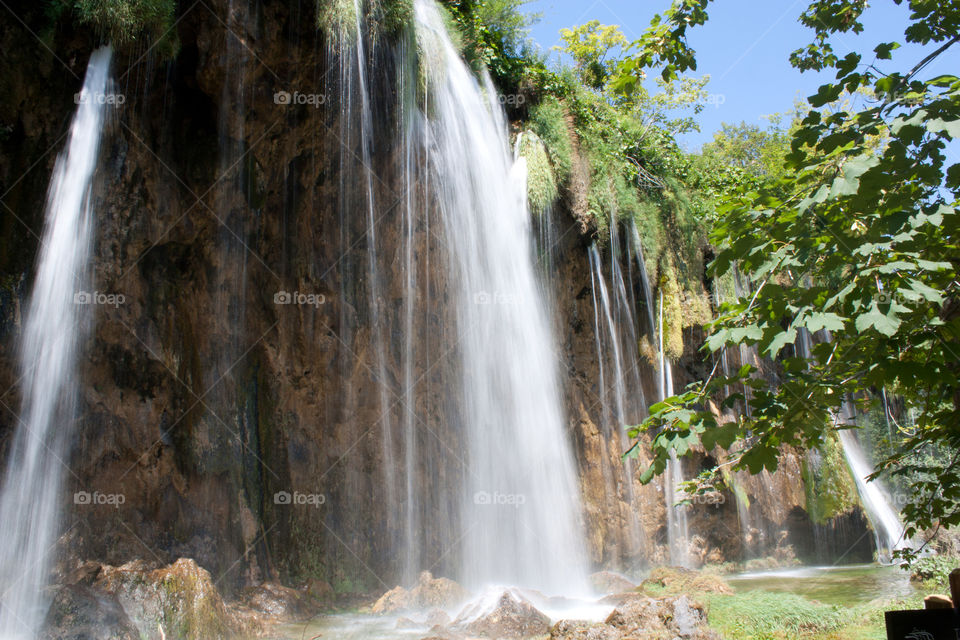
<point x="855" y="243"/>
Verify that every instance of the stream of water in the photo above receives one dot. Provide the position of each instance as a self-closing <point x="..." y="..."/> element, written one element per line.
<point x="31" y="495"/>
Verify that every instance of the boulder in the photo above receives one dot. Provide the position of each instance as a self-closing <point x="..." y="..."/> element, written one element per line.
<point x="276" y="601"/>
<point x="180" y="598"/>
<point x="655" y="618"/>
<point x="79" y="612"/>
<point x="430" y="593"/>
<point x="677" y="580"/>
<point x="607" y="582"/>
<point x="580" y="630"/>
<point x="512" y="616"/>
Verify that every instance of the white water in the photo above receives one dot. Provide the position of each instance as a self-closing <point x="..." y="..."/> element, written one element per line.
<point x="520" y="509"/>
<point x="887" y="527"/>
<point x="29" y="501"/>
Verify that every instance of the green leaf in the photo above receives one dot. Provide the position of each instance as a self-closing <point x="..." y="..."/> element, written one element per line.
<point x="823" y="320"/>
<point x="876" y="319"/>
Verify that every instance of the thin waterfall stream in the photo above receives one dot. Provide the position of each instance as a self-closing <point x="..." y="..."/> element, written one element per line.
<point x="31" y="497"/>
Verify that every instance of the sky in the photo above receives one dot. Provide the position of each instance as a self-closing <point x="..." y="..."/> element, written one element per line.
<point x="744" y="47"/>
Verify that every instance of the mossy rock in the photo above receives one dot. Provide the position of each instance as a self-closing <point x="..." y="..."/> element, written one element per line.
<point x="830" y="488"/>
<point x="541" y="184"/>
<point x="679" y="580"/>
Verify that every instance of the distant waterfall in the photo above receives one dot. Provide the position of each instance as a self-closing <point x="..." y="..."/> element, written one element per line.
<point x="520" y="506"/>
<point x="29" y="502"/>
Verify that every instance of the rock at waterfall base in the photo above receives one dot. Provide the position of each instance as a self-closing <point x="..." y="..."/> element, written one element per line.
<point x="512" y="617"/>
<point x="430" y="593"/>
<point x="643" y="618"/>
<point x="79" y="612"/>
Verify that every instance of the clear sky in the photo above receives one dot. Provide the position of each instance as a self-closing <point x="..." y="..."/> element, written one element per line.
<point x="744" y="47"/>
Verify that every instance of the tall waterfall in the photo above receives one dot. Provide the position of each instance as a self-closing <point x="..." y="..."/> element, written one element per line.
<point x="29" y="502"/>
<point x="520" y="507"/>
<point x="887" y="527"/>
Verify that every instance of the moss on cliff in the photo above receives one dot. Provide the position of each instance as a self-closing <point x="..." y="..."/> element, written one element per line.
<point x="829" y="487"/>
<point x="541" y="184"/>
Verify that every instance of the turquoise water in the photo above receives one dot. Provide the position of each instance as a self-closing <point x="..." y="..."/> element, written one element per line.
<point x="844" y="585"/>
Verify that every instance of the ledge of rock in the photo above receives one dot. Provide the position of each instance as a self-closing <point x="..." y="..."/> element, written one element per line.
<point x="430" y="593"/>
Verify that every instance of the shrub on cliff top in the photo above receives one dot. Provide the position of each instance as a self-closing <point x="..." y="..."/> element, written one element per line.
<point x="128" y="22"/>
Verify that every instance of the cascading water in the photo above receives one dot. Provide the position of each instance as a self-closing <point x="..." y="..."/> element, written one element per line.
<point x="52" y="331"/>
<point x="520" y="511"/>
<point x="887" y="527"/>
<point x="678" y="531"/>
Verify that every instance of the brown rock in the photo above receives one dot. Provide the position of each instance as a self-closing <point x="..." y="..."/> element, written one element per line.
<point x="580" y="630"/>
<point x="607" y="582"/>
<point x="668" y="617"/>
<point x="512" y="617"/>
<point x="276" y="601"/>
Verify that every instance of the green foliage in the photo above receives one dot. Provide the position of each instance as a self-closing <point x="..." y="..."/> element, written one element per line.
<point x="858" y="237"/>
<point x="762" y="615"/>
<point x="126" y="23"/>
<point x="548" y="120"/>
<point x="934" y="571"/>
<point x="337" y="19"/>
<point x="541" y="184"/>
<point x="591" y="46"/>
<point x="750" y="148"/>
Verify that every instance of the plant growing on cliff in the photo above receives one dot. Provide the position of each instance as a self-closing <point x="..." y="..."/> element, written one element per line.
<point x="126" y="23"/>
<point x="857" y="243"/>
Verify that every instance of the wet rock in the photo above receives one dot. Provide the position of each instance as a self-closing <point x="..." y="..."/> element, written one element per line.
<point x="79" y="612"/>
<point x="580" y="630"/>
<point x="430" y="593"/>
<point x="181" y="598"/>
<point x="676" y="580"/>
<point x="397" y="599"/>
<point x="319" y="591"/>
<point x="437" y="592"/>
<point x="512" y="616"/>
<point x="654" y="618"/>
<point x="607" y="582"/>
<point x="438" y="618"/>
<point x="407" y="623"/>
<point x="276" y="601"/>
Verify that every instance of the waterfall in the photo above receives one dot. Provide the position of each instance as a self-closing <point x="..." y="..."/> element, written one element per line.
<point x="520" y="507"/>
<point x="51" y="334"/>
<point x="678" y="531"/>
<point x="622" y="410"/>
<point x="888" y="530"/>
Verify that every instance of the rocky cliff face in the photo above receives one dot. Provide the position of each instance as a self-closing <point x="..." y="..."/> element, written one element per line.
<point x="261" y="437"/>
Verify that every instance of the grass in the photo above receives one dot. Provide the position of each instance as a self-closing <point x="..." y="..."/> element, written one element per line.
<point x="762" y="615"/>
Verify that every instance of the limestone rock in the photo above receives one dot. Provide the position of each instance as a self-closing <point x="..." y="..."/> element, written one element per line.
<point x="512" y="616"/>
<point x="580" y="630"/>
<point x="276" y="601"/>
<point x="181" y="597"/>
<point x="607" y="582"/>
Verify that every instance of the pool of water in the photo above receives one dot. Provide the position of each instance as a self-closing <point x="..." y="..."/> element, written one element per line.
<point x="847" y="585"/>
<point x="844" y="585"/>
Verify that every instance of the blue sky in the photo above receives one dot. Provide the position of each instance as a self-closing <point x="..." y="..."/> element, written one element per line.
<point x="744" y="47"/>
